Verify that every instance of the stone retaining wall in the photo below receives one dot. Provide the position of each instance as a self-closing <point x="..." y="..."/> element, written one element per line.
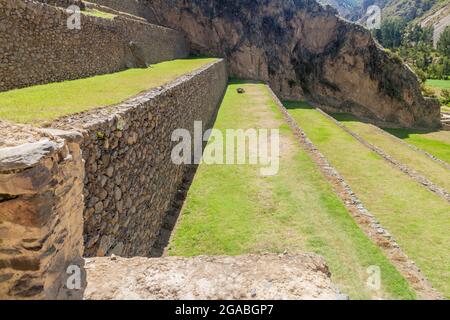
<point x="41" y="218"/>
<point x="63" y="3"/>
<point x="112" y="165"/>
<point x="130" y="179"/>
<point x="36" y="47"/>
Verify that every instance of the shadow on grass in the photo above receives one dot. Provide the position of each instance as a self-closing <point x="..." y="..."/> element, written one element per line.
<point x="292" y="105"/>
<point x="402" y="133"/>
<point x="232" y="81"/>
<point x="406" y="133"/>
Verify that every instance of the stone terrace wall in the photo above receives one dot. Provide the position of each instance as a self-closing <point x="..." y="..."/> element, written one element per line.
<point x="130" y="178"/>
<point x="36" y="46"/>
<point x="41" y="217"/>
<point x="63" y="3"/>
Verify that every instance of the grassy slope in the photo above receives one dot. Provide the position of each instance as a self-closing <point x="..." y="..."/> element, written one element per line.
<point x="98" y="14"/>
<point x="232" y="210"/>
<point x="418" y="219"/>
<point x="48" y="102"/>
<point x="437" y="143"/>
<point x="415" y="160"/>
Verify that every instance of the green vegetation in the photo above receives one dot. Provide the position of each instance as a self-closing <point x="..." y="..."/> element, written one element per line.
<point x="408" y="9"/>
<point x="414" y="44"/>
<point x="440" y="84"/>
<point x="444" y="43"/>
<point x="417" y="218"/>
<point x="98" y="13"/>
<point x="42" y="103"/>
<point x="233" y="210"/>
<point x="413" y="159"/>
<point x="435" y="142"/>
<point x="441" y="89"/>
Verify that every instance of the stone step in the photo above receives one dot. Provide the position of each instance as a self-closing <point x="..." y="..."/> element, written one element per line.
<point x="267" y="277"/>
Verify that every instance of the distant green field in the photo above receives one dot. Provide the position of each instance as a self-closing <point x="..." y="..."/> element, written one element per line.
<point x="41" y="103"/>
<point x="439" y="84"/>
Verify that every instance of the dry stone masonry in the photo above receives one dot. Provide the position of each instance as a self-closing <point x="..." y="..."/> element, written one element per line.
<point x="63" y="3"/>
<point x="100" y="183"/>
<point x="36" y="46"/>
<point x="109" y="170"/>
<point x="130" y="178"/>
<point x="41" y="217"/>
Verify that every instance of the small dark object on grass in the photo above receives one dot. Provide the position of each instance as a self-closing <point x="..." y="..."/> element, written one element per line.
<point x="240" y="90"/>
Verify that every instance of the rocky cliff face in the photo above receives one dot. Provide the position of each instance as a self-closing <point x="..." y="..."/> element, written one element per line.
<point x="303" y="50"/>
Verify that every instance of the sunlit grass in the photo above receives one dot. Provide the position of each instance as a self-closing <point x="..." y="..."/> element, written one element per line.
<point x="41" y="103"/>
<point x="400" y="152"/>
<point x="436" y="143"/>
<point x="233" y="210"/>
<point x="98" y="13"/>
<point x="417" y="218"/>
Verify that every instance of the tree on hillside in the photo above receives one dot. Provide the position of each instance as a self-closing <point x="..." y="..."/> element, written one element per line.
<point x="392" y="32"/>
<point x="444" y="43"/>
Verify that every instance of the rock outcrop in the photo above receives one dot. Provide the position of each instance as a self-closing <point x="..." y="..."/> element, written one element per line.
<point x="303" y="50"/>
<point x="41" y="214"/>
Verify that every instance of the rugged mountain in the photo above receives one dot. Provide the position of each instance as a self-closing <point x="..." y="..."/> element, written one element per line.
<point x="303" y="50"/>
<point x="438" y="17"/>
<point x="408" y="10"/>
<point x="426" y="13"/>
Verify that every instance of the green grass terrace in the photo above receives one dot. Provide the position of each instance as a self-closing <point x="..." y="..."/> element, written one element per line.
<point x="421" y="163"/>
<point x="417" y="218"/>
<point x="41" y="104"/>
<point x="434" y="142"/>
<point x="234" y="210"/>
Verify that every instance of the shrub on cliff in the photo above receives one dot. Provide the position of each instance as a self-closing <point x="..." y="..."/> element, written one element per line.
<point x="445" y="97"/>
